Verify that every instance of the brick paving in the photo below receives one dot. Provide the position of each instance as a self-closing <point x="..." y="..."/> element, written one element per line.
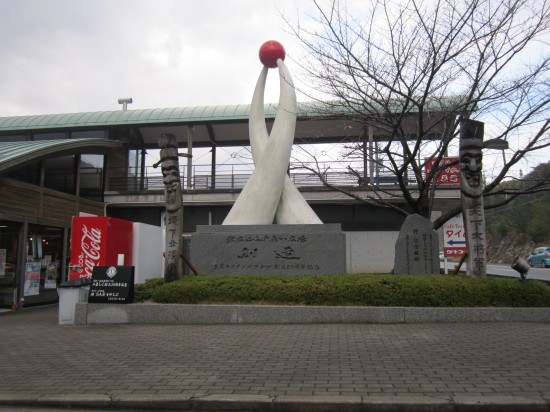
<point x="443" y="360"/>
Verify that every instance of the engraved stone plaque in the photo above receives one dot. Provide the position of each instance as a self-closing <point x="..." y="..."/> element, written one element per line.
<point x="417" y="247"/>
<point x="269" y="249"/>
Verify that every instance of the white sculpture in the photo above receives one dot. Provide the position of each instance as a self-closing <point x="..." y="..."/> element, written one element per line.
<point x="269" y="196"/>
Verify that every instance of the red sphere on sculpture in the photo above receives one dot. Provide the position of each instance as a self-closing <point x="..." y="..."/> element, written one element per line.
<point x="270" y="52"/>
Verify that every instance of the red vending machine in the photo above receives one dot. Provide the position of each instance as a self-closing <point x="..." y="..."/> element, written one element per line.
<point x="98" y="241"/>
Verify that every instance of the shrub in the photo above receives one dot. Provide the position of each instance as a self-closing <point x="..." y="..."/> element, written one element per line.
<point x="142" y="291"/>
<point x="351" y="290"/>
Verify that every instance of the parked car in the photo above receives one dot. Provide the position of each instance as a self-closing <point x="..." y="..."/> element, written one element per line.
<point x="540" y="257"/>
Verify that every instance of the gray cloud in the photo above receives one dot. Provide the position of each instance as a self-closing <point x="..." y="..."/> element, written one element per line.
<point x="66" y="56"/>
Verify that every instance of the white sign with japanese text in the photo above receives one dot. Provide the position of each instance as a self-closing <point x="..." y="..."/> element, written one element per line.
<point x="454" y="237"/>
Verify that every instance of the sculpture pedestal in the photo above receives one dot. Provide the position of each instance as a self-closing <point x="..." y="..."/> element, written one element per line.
<point x="269" y="249"/>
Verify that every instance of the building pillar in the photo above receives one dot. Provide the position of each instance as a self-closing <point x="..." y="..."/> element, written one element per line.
<point x="190" y="132"/>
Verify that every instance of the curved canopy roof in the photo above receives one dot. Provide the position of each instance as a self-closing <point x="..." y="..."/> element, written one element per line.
<point x="14" y="154"/>
<point x="205" y="126"/>
<point x="198" y="114"/>
<point x="225" y="125"/>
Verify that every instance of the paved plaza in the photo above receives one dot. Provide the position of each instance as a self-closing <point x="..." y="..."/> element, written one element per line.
<point x="257" y="367"/>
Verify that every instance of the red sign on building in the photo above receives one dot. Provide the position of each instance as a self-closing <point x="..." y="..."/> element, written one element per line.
<point x="97" y="241"/>
<point x="450" y="175"/>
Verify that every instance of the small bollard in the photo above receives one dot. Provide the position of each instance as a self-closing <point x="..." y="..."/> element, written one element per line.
<point x="520" y="265"/>
<point x="70" y="293"/>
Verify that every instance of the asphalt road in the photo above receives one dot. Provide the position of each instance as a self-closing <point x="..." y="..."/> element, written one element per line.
<point x="505" y="270"/>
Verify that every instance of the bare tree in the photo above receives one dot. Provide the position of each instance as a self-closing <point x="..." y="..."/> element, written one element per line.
<point x="410" y="71"/>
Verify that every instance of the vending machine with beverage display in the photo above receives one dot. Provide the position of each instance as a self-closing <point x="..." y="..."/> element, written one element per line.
<point x="99" y="241"/>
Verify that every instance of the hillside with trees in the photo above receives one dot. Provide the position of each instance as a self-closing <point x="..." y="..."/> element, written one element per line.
<point x="523" y="223"/>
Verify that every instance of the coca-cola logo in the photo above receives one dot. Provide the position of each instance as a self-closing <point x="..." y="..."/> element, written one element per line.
<point x="90" y="245"/>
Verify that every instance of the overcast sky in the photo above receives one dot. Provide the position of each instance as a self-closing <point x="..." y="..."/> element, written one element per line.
<point x="64" y="56"/>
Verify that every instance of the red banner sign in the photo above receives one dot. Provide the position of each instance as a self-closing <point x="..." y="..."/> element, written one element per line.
<point x="451" y="174"/>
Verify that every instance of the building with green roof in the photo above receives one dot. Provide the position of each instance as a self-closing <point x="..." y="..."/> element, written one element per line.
<point x="54" y="167"/>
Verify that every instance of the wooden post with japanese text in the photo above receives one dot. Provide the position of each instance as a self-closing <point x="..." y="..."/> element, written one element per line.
<point x="173" y="244"/>
<point x="471" y="190"/>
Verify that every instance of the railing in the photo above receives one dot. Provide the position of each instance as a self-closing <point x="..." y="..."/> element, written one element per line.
<point x="234" y="177"/>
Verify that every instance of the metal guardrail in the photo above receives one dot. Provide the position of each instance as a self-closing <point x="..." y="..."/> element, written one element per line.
<point x="236" y="180"/>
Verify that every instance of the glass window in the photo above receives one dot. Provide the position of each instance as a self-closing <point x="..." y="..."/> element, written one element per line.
<point x="28" y="174"/>
<point x="89" y="134"/>
<point x="135" y="181"/>
<point x="49" y="136"/>
<point x="91" y="161"/>
<point x="13" y="138"/>
<point x="134" y="162"/>
<point x="44" y="255"/>
<point x="9" y="238"/>
<point x="59" y="174"/>
<point x="91" y="177"/>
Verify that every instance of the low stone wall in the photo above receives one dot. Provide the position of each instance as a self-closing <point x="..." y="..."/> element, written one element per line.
<point x="259" y="314"/>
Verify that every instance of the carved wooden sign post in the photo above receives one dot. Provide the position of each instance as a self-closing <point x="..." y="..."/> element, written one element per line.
<point x="471" y="188"/>
<point x="173" y="243"/>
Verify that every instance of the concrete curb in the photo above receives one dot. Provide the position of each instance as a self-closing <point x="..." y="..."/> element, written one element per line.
<point x="229" y="402"/>
<point x="94" y="313"/>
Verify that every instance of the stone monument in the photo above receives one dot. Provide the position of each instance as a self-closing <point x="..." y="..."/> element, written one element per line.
<point x="417" y="247"/>
<point x="269" y="249"/>
<point x="270" y="229"/>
